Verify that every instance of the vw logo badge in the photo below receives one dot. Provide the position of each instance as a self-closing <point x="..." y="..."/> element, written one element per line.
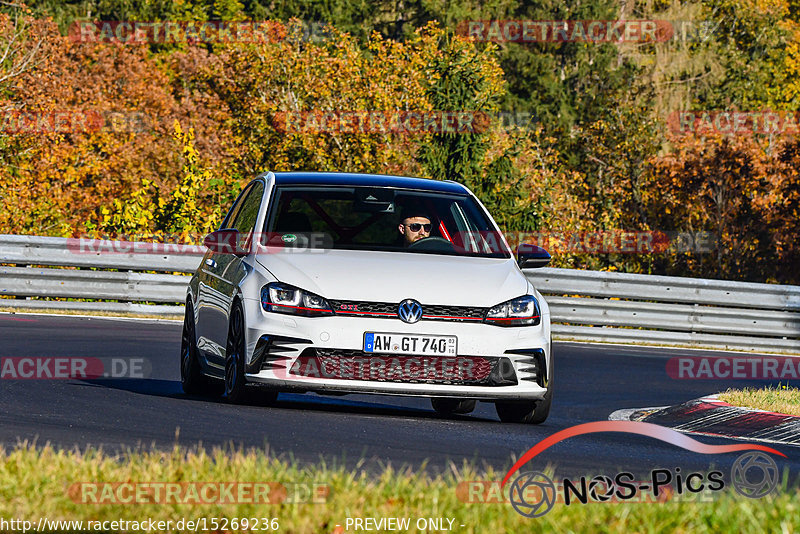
<point x="410" y="311"/>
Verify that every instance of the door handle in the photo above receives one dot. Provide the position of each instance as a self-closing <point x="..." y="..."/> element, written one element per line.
<point x="211" y="263"/>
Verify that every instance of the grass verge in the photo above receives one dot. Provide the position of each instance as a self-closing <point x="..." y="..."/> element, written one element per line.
<point x="92" y="313"/>
<point x="780" y="399"/>
<point x="38" y="482"/>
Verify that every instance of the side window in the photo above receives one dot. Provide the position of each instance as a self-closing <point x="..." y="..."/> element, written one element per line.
<point x="244" y="219"/>
<point x="226" y="223"/>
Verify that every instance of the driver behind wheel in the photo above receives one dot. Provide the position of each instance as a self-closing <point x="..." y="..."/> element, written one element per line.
<point x="415" y="226"/>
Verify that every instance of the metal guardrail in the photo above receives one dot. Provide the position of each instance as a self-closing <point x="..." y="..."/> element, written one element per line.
<point x="585" y="305"/>
<point x="101" y="254"/>
<point x="668" y="310"/>
<point x="88" y="277"/>
<point x="668" y="289"/>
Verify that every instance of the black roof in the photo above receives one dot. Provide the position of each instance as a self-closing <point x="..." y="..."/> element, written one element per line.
<point x="369" y="180"/>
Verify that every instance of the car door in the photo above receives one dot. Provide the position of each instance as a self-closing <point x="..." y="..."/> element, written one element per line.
<point x="211" y="313"/>
<point x="227" y="271"/>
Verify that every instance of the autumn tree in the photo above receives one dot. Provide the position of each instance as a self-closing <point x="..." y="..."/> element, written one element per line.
<point x="716" y="184"/>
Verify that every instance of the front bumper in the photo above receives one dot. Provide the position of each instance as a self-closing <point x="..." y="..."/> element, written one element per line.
<point x="493" y="363"/>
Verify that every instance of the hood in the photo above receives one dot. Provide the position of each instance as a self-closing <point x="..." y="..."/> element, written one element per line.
<point x="394" y="276"/>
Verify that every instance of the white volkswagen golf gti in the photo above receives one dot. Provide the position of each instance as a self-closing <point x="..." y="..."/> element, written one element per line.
<point x="347" y="283"/>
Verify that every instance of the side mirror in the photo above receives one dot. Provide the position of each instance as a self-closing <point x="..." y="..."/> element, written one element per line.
<point x="531" y="256"/>
<point x="225" y="241"/>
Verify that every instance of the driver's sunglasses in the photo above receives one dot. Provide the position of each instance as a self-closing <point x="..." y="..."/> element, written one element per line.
<point x="416" y="227"/>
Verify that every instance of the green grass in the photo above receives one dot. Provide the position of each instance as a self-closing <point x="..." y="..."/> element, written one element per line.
<point x="94" y="313"/>
<point x="36" y="482"/>
<point x="780" y="399"/>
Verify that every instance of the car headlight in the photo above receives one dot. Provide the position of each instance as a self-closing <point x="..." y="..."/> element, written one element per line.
<point x="283" y="298"/>
<point x="521" y="311"/>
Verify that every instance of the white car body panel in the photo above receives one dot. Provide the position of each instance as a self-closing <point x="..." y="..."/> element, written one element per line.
<point x="392" y="276"/>
<point x="374" y="276"/>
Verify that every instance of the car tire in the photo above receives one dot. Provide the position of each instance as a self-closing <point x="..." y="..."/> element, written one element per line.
<point x="445" y="406"/>
<point x="235" y="382"/>
<point x="532" y="412"/>
<point x="193" y="381"/>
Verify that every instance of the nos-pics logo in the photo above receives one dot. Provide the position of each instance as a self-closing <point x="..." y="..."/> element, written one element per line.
<point x="754" y="474"/>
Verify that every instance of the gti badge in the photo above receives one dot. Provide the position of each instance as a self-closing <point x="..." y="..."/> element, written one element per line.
<point x="410" y="311"/>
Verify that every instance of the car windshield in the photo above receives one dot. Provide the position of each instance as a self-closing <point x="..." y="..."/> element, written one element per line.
<point x="381" y="219"/>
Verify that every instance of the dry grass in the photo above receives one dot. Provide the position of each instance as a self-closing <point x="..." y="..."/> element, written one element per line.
<point x="780" y="399"/>
<point x="35" y="482"/>
<point x="93" y="313"/>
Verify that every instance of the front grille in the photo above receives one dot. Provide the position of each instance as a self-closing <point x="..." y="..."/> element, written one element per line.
<point x="388" y="310"/>
<point x="343" y="364"/>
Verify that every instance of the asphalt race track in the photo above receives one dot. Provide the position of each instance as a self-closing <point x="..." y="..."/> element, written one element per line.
<point x="592" y="381"/>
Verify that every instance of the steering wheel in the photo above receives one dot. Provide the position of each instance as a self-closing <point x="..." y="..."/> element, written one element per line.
<point x="432" y="244"/>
